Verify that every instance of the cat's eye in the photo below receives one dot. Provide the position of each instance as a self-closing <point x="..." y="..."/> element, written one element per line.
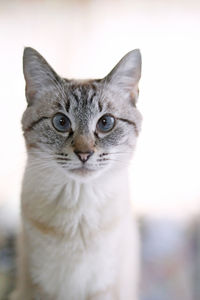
<point x="61" y="123"/>
<point x="106" y="123"/>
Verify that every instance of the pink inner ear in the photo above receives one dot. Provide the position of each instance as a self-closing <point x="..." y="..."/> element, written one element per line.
<point x="30" y="93"/>
<point x="134" y="95"/>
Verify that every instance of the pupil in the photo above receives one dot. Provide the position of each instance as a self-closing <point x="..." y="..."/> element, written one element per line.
<point x="104" y="122"/>
<point x="62" y="121"/>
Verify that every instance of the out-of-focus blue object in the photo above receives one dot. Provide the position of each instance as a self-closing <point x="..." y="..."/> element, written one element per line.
<point x="170" y="260"/>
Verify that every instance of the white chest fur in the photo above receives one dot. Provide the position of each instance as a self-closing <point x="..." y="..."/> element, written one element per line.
<point x="77" y="234"/>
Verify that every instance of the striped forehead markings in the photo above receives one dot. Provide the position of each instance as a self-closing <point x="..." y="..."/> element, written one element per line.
<point x="67" y="105"/>
<point x="76" y="97"/>
<point x="84" y="94"/>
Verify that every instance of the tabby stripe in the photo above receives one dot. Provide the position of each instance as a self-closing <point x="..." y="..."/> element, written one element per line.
<point x="35" y="123"/>
<point x="67" y="106"/>
<point x="76" y="98"/>
<point x="129" y="122"/>
<point x="92" y="97"/>
<point x="100" y="106"/>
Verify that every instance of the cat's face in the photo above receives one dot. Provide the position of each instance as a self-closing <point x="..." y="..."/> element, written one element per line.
<point x="82" y="127"/>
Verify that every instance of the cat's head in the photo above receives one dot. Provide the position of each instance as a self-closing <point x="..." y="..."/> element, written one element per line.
<point x="84" y="127"/>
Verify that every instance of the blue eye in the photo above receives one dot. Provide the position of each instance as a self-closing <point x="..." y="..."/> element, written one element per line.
<point x="61" y="123"/>
<point x="106" y="123"/>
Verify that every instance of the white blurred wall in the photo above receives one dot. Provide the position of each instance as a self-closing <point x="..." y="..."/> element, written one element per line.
<point x="85" y="39"/>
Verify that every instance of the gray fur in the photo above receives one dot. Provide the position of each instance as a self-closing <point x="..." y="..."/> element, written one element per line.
<point x="84" y="102"/>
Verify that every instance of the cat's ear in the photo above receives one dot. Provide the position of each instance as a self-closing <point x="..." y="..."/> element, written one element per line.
<point x="39" y="75"/>
<point x="126" y="74"/>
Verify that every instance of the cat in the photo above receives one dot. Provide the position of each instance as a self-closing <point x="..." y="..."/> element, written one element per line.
<point x="79" y="240"/>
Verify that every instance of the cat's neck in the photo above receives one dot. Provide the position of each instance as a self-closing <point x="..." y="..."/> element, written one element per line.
<point x="49" y="198"/>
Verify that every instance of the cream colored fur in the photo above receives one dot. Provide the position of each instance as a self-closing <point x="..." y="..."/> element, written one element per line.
<point x="79" y="241"/>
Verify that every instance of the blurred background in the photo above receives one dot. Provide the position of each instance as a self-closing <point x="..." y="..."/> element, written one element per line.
<point x="85" y="39"/>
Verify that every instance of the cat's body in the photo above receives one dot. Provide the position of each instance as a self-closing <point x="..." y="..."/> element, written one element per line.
<point x="79" y="240"/>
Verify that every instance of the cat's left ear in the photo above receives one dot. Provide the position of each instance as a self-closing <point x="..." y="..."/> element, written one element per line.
<point x="126" y="75"/>
<point x="39" y="75"/>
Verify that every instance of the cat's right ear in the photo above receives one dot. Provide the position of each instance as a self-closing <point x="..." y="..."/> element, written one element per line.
<point x="38" y="74"/>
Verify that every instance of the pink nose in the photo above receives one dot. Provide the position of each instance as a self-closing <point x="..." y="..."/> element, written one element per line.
<point x="83" y="156"/>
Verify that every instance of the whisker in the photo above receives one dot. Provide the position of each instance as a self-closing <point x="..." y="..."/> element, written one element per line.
<point x="50" y="156"/>
<point x="61" y="163"/>
<point x="102" y="159"/>
<point x="40" y="167"/>
<point x="122" y="152"/>
<point x="112" y="153"/>
<point x="61" y="153"/>
<point x="120" y="161"/>
<point x="63" y="158"/>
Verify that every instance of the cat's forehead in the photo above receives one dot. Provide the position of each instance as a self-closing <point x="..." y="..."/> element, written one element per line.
<point x="82" y="87"/>
<point x="84" y="97"/>
<point x="89" y="96"/>
<point x="82" y="93"/>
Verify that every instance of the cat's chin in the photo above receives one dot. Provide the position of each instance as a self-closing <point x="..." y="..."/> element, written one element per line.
<point x="83" y="173"/>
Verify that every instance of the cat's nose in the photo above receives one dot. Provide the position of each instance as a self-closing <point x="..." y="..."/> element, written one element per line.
<point x="83" y="156"/>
